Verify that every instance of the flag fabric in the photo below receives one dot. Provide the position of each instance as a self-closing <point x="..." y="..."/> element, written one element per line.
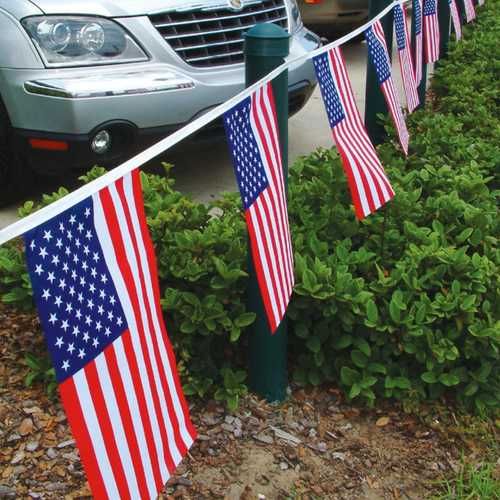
<point x="455" y="17"/>
<point x="405" y="58"/>
<point x="417" y="19"/>
<point x="470" y="11"/>
<point x="253" y="136"/>
<point x="379" y="56"/>
<point x="95" y="283"/>
<point x="431" y="31"/>
<point x="480" y="2"/>
<point x="370" y="188"/>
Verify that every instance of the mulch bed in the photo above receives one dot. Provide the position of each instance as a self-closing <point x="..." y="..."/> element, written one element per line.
<point x="313" y="446"/>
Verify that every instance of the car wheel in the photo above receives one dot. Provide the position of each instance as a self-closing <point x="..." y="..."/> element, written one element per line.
<point x="16" y="177"/>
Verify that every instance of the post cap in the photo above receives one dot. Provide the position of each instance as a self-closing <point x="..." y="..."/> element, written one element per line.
<point x="267" y="39"/>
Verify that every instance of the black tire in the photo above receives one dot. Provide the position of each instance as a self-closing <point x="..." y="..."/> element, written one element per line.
<point x="16" y="177"/>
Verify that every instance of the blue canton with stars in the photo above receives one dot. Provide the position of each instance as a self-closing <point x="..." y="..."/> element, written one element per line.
<point x="250" y="173"/>
<point x="77" y="302"/>
<point x="400" y="27"/>
<point x="429" y="7"/>
<point x="378" y="56"/>
<point x="417" y="12"/>
<point x="329" y="92"/>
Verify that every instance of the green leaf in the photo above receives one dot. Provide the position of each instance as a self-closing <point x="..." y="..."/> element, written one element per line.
<point x="395" y="312"/>
<point x="471" y="389"/>
<point x="448" y="379"/>
<point x="342" y="342"/>
<point x="359" y="359"/>
<point x="429" y="377"/>
<point x="245" y="319"/>
<point x="355" y="391"/>
<point x="348" y="376"/>
<point x="363" y="346"/>
<point x="377" y="368"/>
<point x="372" y="311"/>
<point x="313" y="344"/>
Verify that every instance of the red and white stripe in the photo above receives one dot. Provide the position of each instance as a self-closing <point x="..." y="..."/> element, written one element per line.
<point x="370" y="188"/>
<point x="455" y="17"/>
<point x="431" y="37"/>
<point x="126" y="407"/>
<point x="391" y="98"/>
<point x="267" y="217"/>
<point x="419" y="48"/>
<point x="470" y="11"/>
<point x="407" y="70"/>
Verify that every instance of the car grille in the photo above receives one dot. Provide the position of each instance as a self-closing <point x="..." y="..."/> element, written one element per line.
<point x="206" y="38"/>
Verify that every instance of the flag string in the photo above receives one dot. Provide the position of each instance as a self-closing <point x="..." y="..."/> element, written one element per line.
<point x="28" y="223"/>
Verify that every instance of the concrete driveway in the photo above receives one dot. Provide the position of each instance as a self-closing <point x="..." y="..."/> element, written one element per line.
<point x="206" y="170"/>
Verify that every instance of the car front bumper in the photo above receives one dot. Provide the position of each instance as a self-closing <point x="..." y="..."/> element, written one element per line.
<point x="138" y="103"/>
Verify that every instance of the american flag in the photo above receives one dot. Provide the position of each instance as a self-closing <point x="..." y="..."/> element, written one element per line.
<point x="405" y="58"/>
<point x="95" y="283"/>
<point x="253" y="136"/>
<point x="470" y="11"/>
<point x="431" y="31"/>
<point x="417" y="19"/>
<point x="379" y="56"/>
<point x="370" y="188"/>
<point x="455" y="17"/>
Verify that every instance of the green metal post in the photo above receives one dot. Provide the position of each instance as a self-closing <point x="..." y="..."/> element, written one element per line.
<point x="375" y="101"/>
<point x="444" y="27"/>
<point x="266" y="46"/>
<point x="422" y="87"/>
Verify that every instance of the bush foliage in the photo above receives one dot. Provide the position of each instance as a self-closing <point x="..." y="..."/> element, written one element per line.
<point x="404" y="304"/>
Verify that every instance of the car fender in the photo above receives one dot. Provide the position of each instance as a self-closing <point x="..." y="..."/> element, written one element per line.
<point x="22" y="53"/>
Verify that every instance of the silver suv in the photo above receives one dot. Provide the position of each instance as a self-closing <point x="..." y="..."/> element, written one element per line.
<point x="84" y="82"/>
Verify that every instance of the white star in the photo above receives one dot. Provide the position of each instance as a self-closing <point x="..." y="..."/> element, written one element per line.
<point x="67" y="251"/>
<point x="61" y="226"/>
<point x="72" y="219"/>
<point x="107" y="332"/>
<point x="100" y="310"/>
<point x="62" y="284"/>
<point x="47" y="235"/>
<point x="90" y="304"/>
<point x="59" y="243"/>
<point x="77" y="243"/>
<point x="46" y="294"/>
<point x="84" y="266"/>
<point x="65" y="325"/>
<point x="81" y="353"/>
<point x="72" y="290"/>
<point x="69" y="307"/>
<point x="32" y="245"/>
<point x="59" y="342"/>
<point x="65" y="365"/>
<point x="112" y="300"/>
<point x="88" y="235"/>
<point x="82" y="281"/>
<point x="69" y="235"/>
<point x="92" y="288"/>
<point x="65" y="267"/>
<point x="39" y="269"/>
<point x="80" y="227"/>
<point x="86" y="336"/>
<point x="86" y="250"/>
<point x="43" y="252"/>
<point x="95" y="257"/>
<point x="75" y="259"/>
<point x="53" y="319"/>
<point x="102" y="294"/>
<point x="95" y="342"/>
<point x="74" y="275"/>
<point x="58" y="301"/>
<point x="88" y="320"/>
<point x="104" y="278"/>
<point x="119" y="321"/>
<point x="80" y="297"/>
<point x="93" y="272"/>
<point x="76" y="331"/>
<point x="87" y="212"/>
<point x="78" y="314"/>
<point x="110" y="315"/>
<point x="98" y="326"/>
<point x="71" y="348"/>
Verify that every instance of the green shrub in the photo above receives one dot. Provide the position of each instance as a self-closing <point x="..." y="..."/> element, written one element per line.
<point x="404" y="304"/>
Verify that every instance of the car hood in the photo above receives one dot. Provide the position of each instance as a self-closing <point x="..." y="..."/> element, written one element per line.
<point x="120" y="8"/>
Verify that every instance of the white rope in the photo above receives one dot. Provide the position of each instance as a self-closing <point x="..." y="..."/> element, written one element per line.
<point x="46" y="213"/>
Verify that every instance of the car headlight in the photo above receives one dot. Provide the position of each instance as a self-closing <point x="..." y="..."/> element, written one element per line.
<point x="82" y="41"/>
<point x="295" y="18"/>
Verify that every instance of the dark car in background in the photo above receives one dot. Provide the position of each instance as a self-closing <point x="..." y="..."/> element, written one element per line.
<point x="327" y="17"/>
